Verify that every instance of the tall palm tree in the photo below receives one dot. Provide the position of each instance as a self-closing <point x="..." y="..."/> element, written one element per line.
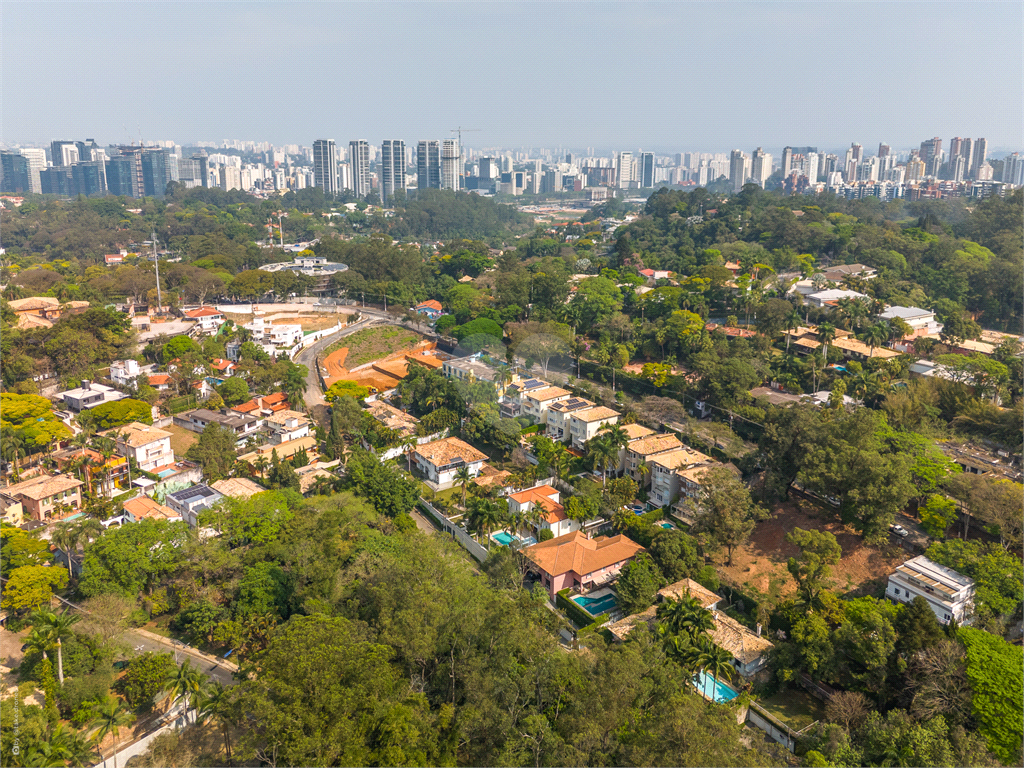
<point x="57" y="626"/>
<point x="826" y="335"/>
<point x="261" y="465"/>
<point x="65" y="537"/>
<point x="462" y="477"/>
<point x="215" y="701"/>
<point x="13" y="448"/>
<point x="615" y="434"/>
<point x="793" y="321"/>
<point x="183" y="684"/>
<point x="39" y="641"/>
<point x="109" y="715"/>
<point x="716" y="661"/>
<point x="485" y="516"/>
<point x="644" y="470"/>
<point x="605" y="455"/>
<point x="46" y="754"/>
<point x="874" y="336"/>
<point x="560" y="461"/>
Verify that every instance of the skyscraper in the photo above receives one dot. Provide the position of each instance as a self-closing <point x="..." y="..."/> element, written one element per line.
<point x="451" y="160"/>
<point x="155" y="172"/>
<point x="857" y="151"/>
<point x="979" y="156"/>
<point x="15" y="173"/>
<point x="488" y="168"/>
<point x="64" y="153"/>
<point x="121" y="177"/>
<point x="428" y="165"/>
<point x="325" y="165"/>
<point x="739" y="169"/>
<point x="787" y="161"/>
<point x="36" y="163"/>
<point x="392" y="168"/>
<point x="761" y="167"/>
<point x="625" y="169"/>
<point x="90" y="178"/>
<point x="1013" y="169"/>
<point x="359" y="160"/>
<point x="884" y="150"/>
<point x="931" y="155"/>
<point x="646" y="170"/>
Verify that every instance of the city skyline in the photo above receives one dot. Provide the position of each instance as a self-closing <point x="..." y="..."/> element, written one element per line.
<point x="666" y="88"/>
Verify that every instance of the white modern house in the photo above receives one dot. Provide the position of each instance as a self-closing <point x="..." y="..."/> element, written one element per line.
<point x="208" y="319"/>
<point x="583" y="425"/>
<point x="559" y="415"/>
<point x="124" y="372"/>
<point x="191" y="501"/>
<point x="921" y="320"/>
<point x="830" y="297"/>
<point x="150" y="447"/>
<point x="950" y="595"/>
<point x="285" y="426"/>
<point x="90" y="395"/>
<point x="277" y="336"/>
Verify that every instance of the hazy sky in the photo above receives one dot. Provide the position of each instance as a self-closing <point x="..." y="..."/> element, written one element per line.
<point x="676" y="76"/>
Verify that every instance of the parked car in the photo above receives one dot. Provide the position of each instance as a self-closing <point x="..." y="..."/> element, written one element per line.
<point x="899" y="530"/>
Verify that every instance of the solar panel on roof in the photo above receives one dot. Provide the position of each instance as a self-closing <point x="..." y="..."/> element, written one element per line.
<point x="195" y="492"/>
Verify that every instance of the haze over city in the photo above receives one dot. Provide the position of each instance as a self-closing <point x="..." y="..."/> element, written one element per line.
<point x="661" y="76"/>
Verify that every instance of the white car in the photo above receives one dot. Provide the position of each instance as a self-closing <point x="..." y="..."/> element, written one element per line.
<point x="899" y="530"/>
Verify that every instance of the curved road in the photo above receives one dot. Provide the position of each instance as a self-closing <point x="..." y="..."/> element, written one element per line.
<point x="307" y="357"/>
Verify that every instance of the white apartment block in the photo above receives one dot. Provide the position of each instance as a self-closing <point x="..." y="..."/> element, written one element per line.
<point x="584" y="425"/>
<point x="148" y="446"/>
<point x="279" y="336"/>
<point x="665" y="478"/>
<point x="559" y="415"/>
<point x="535" y="403"/>
<point x="949" y="594"/>
<point x="124" y="372"/>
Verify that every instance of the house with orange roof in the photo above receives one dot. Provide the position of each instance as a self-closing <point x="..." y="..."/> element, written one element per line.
<point x="161" y="382"/>
<point x="440" y="460"/>
<point x="638" y="452"/>
<point x="546" y="501"/>
<point x="573" y="561"/>
<point x="225" y="368"/>
<point x="142" y="507"/>
<point x="431" y="308"/>
<point x="263" y="406"/>
<point x="584" y="425"/>
<point x="209" y="319"/>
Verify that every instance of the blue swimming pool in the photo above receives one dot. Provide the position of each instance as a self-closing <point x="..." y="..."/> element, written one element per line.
<point x="75" y="516"/>
<point x="504" y="538"/>
<point x="714" y="689"/>
<point x="166" y="472"/>
<point x="595" y="606"/>
<point x="667" y="526"/>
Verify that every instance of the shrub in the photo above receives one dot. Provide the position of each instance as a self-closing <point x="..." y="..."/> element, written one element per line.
<point x="346" y="388"/>
<point x="546" y="535"/>
<point x="78" y="691"/>
<point x="121" y="412"/>
<point x="145" y="678"/>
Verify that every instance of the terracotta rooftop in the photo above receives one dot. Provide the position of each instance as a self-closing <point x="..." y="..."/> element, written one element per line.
<point x="440" y="453"/>
<point x="393" y="418"/>
<point x="852" y="345"/>
<point x="430" y="304"/>
<point x="683" y="457"/>
<point x="576" y="553"/>
<point x="280" y="417"/>
<point x="43" y="487"/>
<point x="137" y="434"/>
<point x="547" y="393"/>
<point x="599" y="413"/>
<point x="745" y="645"/>
<point x="275" y="402"/>
<point x="221" y="364"/>
<point x="203" y="312"/>
<point x="33" y="302"/>
<point x="689" y="588"/>
<point x="33" y="321"/>
<point x="142" y="506"/>
<point x="159" y="378"/>
<point x="237" y="487"/>
<point x="635" y="431"/>
<point x="541" y="496"/>
<point x="308" y="479"/>
<point x="653" y="444"/>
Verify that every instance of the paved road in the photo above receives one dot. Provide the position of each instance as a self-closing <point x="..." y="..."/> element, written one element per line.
<point x="307" y="357"/>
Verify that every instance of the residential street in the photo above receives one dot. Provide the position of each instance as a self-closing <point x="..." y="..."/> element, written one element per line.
<point x="307" y="357"/>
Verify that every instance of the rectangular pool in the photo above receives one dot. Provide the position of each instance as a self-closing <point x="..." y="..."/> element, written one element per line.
<point x="166" y="472"/>
<point x="504" y="538"/>
<point x="716" y="690"/>
<point x="595" y="606"/>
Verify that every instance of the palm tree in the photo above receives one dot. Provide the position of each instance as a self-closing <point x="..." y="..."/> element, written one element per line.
<point x="462" y="477"/>
<point x="294" y="386"/>
<point x="13" y="449"/>
<point x="560" y="461"/>
<point x="615" y="434"/>
<point x="644" y="470"/>
<point x="215" y="701"/>
<point x="793" y="321"/>
<point x="184" y="684"/>
<point x="826" y="335"/>
<point x="717" y="661"/>
<point x="39" y="641"/>
<point x="261" y="465"/>
<point x="407" y="444"/>
<point x="57" y="626"/>
<point x="605" y="455"/>
<point x="874" y="336"/>
<point x="484" y="517"/>
<point x="47" y="754"/>
<point x="65" y="538"/>
<point x="108" y="717"/>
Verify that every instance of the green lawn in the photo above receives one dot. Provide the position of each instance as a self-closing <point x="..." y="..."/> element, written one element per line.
<point x="794" y="707"/>
<point x="371" y="344"/>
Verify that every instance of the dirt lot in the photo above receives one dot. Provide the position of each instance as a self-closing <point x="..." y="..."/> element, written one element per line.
<point x="761" y="562"/>
<point x="181" y="439"/>
<point x="311" y="322"/>
<point x="373" y="343"/>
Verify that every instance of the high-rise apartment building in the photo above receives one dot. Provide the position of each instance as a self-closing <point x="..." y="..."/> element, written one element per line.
<point x="647" y="170"/>
<point x="884" y="150"/>
<point x="552" y="181"/>
<point x="916" y="169"/>
<point x="1013" y="169"/>
<point x="155" y="172"/>
<point x="979" y="156"/>
<point x="392" y="163"/>
<point x="761" y="167"/>
<point x="359" y="161"/>
<point x="451" y="162"/>
<point x="857" y="151"/>
<point x="739" y="169"/>
<point x="230" y="178"/>
<point x="625" y="169"/>
<point x="931" y="155"/>
<point x="325" y="165"/>
<point x="488" y="168"/>
<point x="63" y="153"/>
<point x="428" y="165"/>
<point x="787" y="161"/>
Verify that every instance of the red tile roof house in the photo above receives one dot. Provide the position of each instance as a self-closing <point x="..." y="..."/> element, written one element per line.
<point x="545" y="500"/>
<point x="208" y="318"/>
<point x="431" y="309"/>
<point x="573" y="561"/>
<point x="225" y="367"/>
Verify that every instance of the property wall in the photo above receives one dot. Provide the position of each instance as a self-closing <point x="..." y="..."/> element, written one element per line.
<point x="474" y="548"/>
<point x="761" y="719"/>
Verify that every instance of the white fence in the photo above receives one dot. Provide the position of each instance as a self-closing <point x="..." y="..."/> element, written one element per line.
<point x="470" y="544"/>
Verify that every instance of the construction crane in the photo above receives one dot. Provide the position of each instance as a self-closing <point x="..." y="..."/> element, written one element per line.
<point x="460" y="131"/>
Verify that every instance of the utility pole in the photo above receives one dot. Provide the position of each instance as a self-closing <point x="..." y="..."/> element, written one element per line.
<point x="156" y="260"/>
<point x="280" y="229"/>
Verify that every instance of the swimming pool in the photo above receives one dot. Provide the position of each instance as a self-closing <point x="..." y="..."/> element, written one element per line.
<point x="75" y="516"/>
<point x="707" y="685"/>
<point x="166" y="472"/>
<point x="595" y="606"/>
<point x="504" y="538"/>
<point x="667" y="526"/>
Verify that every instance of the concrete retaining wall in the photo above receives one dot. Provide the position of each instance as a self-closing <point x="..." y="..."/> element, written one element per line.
<point x="478" y="552"/>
